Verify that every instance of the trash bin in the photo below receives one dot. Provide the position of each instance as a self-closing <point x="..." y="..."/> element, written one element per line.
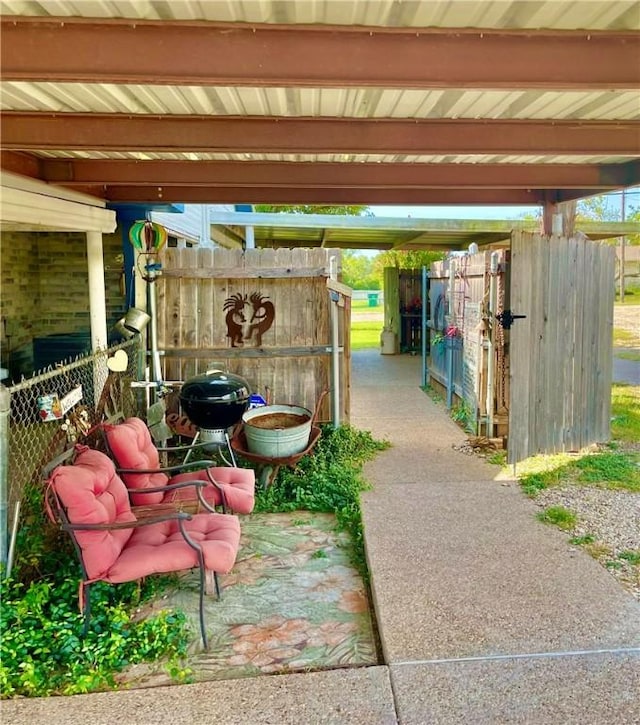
<point x="373" y="299"/>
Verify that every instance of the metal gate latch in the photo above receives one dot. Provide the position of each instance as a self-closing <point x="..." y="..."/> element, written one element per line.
<point x="506" y="318"/>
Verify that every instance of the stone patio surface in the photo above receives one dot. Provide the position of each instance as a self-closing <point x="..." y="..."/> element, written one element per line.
<point x="484" y="614"/>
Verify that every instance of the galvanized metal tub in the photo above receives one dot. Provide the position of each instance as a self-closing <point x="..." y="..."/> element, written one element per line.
<point x="277" y="431"/>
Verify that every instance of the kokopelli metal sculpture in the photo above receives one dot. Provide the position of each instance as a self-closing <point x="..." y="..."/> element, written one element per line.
<point x="262" y="318"/>
<point x="235" y="318"/>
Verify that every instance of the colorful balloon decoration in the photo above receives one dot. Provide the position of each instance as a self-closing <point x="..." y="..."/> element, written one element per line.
<point x="148" y="237"/>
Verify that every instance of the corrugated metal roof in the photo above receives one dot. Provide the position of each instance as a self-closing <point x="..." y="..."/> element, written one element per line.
<point x="549" y="14"/>
<point x="535" y="104"/>
<point x="316" y="102"/>
<point x="375" y="233"/>
<point x="335" y="158"/>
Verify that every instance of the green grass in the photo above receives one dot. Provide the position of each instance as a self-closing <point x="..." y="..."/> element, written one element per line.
<point x="630" y="555"/>
<point x="611" y="470"/>
<point x="365" y="335"/>
<point x="631" y="296"/>
<point x="615" y="468"/>
<point x="582" y="540"/>
<point x="558" y="516"/>
<point x="363" y="306"/>
<point x="630" y="355"/>
<point x="624" y="338"/>
<point x="625" y="413"/>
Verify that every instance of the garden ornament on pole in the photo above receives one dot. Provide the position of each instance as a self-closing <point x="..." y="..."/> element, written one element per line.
<point x="149" y="238"/>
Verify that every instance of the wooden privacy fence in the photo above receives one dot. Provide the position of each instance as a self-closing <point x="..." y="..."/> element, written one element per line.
<point x="561" y="352"/>
<point x="521" y="341"/>
<point x="469" y="358"/>
<point x="264" y="314"/>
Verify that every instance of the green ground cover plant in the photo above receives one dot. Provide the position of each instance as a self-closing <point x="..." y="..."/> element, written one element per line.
<point x="42" y="649"/>
<point x="558" y="516"/>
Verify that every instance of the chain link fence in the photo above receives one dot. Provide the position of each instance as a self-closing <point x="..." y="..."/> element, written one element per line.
<point x="63" y="405"/>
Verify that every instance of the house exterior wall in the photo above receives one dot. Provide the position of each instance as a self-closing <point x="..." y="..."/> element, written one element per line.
<point x="45" y="291"/>
<point x="192" y="224"/>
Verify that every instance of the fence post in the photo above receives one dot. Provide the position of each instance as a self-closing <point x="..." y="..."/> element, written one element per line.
<point x="5" y="407"/>
<point x="450" y="320"/>
<point x="425" y="372"/>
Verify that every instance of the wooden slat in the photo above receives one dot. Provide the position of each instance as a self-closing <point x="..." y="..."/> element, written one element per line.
<point x="247" y="352"/>
<point x="248" y="272"/>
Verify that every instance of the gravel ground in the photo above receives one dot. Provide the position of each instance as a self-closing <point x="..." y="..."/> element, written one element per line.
<point x="612" y="518"/>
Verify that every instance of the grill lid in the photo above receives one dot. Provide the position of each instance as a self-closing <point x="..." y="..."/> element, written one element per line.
<point x="215" y="386"/>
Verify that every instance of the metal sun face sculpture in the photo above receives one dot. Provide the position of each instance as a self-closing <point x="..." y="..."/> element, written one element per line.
<point x="248" y="325"/>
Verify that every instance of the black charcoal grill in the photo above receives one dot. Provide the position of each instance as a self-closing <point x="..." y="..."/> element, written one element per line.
<point x="214" y="401"/>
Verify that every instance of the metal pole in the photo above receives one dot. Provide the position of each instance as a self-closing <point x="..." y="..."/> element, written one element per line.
<point x="622" y="252"/>
<point x="493" y="272"/>
<point x="448" y="338"/>
<point x="5" y="408"/>
<point x="425" y="372"/>
<point x="335" y="342"/>
<point x="153" y="325"/>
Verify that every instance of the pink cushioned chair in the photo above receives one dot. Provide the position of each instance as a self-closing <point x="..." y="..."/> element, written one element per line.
<point x="116" y="543"/>
<point x="138" y="462"/>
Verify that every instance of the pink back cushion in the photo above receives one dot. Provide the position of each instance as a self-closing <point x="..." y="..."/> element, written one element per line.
<point x="131" y="444"/>
<point x="92" y="493"/>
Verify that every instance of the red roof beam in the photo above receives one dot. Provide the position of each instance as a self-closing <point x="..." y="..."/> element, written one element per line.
<point x="293" y="195"/>
<point x="199" y="53"/>
<point x="338" y="175"/>
<point x="230" y="134"/>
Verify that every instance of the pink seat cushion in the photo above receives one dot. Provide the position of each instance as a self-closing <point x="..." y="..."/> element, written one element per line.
<point x="161" y="548"/>
<point x="132" y="446"/>
<point x="92" y="493"/>
<point x="238" y="485"/>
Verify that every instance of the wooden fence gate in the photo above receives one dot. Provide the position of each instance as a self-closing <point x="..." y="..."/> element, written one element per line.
<point x="561" y="351"/>
<point x="264" y="314"/>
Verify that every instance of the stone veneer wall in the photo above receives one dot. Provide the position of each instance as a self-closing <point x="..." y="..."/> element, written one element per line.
<point x="45" y="290"/>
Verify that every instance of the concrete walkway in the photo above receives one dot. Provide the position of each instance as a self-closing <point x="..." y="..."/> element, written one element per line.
<point x="484" y="614"/>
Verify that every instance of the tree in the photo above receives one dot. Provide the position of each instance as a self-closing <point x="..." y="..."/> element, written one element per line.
<point x="358" y="271"/>
<point x="310" y="209"/>
<point x="411" y="259"/>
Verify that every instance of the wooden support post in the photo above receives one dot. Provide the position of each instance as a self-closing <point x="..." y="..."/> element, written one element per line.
<point x="559" y="218"/>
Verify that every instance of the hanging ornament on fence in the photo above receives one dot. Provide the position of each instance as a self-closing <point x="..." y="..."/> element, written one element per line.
<point x="147" y="237"/>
